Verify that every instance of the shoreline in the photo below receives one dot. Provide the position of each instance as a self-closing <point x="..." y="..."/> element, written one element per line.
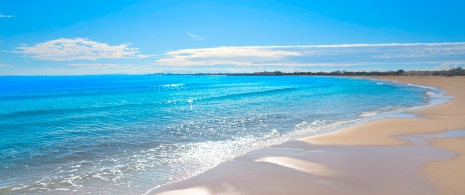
<point x="375" y="157"/>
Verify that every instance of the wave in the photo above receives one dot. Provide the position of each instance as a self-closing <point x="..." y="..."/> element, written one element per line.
<point x="70" y="93"/>
<point x="249" y="94"/>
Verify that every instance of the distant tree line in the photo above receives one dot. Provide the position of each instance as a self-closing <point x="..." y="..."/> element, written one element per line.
<point x="321" y="73"/>
<point x="459" y="71"/>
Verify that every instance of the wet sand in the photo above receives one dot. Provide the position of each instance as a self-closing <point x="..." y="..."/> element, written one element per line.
<point x="389" y="156"/>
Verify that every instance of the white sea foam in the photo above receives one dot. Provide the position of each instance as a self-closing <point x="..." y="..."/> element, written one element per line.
<point x="421" y="86"/>
<point x="367" y="114"/>
<point x="430" y="93"/>
<point x="196" y="158"/>
<point x="170" y="87"/>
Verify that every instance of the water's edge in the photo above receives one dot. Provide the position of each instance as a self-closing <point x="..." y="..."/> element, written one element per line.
<point x="438" y="97"/>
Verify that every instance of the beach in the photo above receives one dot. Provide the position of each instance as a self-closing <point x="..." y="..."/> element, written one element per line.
<point x="128" y="134"/>
<point x="423" y="155"/>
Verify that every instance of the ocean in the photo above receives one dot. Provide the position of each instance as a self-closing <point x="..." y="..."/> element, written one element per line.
<point x="128" y="134"/>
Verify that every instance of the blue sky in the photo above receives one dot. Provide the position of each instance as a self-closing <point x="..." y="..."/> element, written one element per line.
<point x="58" y="37"/>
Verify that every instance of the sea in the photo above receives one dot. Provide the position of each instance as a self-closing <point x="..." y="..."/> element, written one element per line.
<point x="129" y="134"/>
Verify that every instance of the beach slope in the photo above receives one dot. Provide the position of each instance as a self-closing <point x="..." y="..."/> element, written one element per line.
<point x="423" y="155"/>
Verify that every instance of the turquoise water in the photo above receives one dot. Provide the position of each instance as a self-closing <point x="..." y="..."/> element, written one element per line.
<point x="129" y="134"/>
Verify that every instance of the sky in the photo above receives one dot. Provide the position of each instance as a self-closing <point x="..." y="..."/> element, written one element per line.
<point x="86" y="37"/>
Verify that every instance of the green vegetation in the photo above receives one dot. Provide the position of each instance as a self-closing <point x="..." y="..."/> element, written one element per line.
<point x="459" y="71"/>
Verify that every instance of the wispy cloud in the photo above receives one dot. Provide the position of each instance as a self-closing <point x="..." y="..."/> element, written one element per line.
<point x="318" y="55"/>
<point x="4" y="65"/>
<point x="98" y="65"/>
<point x="77" y="49"/>
<point x="193" y="36"/>
<point x="109" y="68"/>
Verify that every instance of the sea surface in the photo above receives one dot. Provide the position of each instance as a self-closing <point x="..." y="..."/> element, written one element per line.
<point x="128" y="134"/>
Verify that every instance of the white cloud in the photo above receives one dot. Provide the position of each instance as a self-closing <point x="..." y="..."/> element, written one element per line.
<point x="193" y="36"/>
<point x="243" y="56"/>
<point x="450" y="65"/>
<point x="318" y="55"/>
<point x="77" y="49"/>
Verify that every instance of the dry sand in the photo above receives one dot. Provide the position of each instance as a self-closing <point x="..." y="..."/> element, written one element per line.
<point x="389" y="156"/>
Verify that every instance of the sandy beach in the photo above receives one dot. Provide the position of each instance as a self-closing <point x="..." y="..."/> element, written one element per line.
<point x="422" y="155"/>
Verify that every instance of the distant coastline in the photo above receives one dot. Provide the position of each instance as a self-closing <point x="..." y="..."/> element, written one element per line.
<point x="459" y="71"/>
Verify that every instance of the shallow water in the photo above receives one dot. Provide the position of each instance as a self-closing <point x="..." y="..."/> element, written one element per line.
<point x="128" y="134"/>
<point x="422" y="139"/>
